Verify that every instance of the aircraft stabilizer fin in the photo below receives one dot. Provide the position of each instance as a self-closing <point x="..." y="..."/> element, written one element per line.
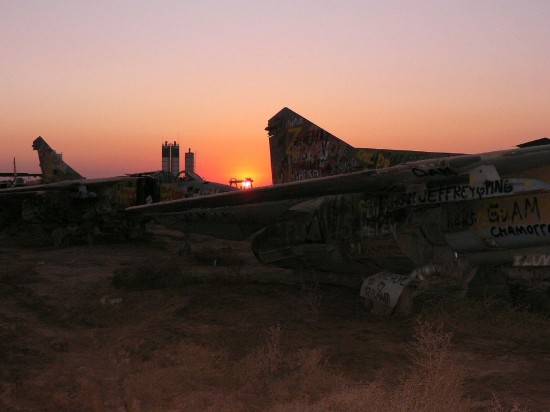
<point x="301" y="150"/>
<point x="54" y="169"/>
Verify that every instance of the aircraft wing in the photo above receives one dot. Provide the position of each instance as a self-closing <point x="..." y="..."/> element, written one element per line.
<point x="68" y="185"/>
<point x="240" y="214"/>
<point x="454" y="170"/>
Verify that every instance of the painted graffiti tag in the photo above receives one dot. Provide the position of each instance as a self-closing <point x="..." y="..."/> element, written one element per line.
<point x="502" y="221"/>
<point x="453" y="193"/>
<point x="461" y="219"/>
<point x="377" y="220"/>
<point x="520" y="211"/>
<point x="384" y="288"/>
<point x="378" y="293"/>
<point x="373" y="159"/>
<point x="532" y="260"/>
<point x="517" y="217"/>
<point x="542" y="229"/>
<point x="377" y="159"/>
<point x="306" y="174"/>
<point x="293" y="122"/>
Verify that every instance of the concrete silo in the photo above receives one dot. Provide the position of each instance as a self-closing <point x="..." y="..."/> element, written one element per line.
<point x="189" y="162"/>
<point x="171" y="158"/>
<point x="166" y="157"/>
<point x="175" y="159"/>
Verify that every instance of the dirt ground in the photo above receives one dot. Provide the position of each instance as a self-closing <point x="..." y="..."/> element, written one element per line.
<point x="109" y="327"/>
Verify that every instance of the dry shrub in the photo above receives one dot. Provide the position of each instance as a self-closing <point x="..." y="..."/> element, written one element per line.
<point x="263" y="361"/>
<point x="434" y="383"/>
<point x="272" y="373"/>
<point x="310" y="297"/>
<point x="273" y="377"/>
<point x="497" y="406"/>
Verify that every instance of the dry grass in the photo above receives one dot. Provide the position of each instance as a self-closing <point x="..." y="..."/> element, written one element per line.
<point x="496" y="406"/>
<point x="269" y="374"/>
<point x="273" y="377"/>
<point x="311" y="297"/>
<point x="435" y="379"/>
<point x="282" y="374"/>
<point x="432" y="383"/>
<point x="490" y="317"/>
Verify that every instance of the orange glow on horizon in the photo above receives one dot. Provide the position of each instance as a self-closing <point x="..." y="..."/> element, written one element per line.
<point x="106" y="84"/>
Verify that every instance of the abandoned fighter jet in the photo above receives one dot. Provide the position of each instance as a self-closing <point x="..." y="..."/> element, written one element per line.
<point x="406" y="224"/>
<point x="65" y="204"/>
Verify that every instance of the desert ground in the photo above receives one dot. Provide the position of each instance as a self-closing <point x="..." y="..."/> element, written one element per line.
<point x="191" y="323"/>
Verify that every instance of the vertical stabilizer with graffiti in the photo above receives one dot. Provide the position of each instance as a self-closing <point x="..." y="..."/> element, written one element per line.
<point x="54" y="169"/>
<point x="301" y="150"/>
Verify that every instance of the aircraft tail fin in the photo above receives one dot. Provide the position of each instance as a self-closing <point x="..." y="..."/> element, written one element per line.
<point x="301" y="150"/>
<point x="54" y="169"/>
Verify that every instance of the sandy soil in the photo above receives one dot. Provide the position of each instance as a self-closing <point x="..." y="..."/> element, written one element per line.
<point x="72" y="340"/>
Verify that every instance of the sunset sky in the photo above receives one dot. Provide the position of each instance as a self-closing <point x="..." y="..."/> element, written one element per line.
<point x="107" y="82"/>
